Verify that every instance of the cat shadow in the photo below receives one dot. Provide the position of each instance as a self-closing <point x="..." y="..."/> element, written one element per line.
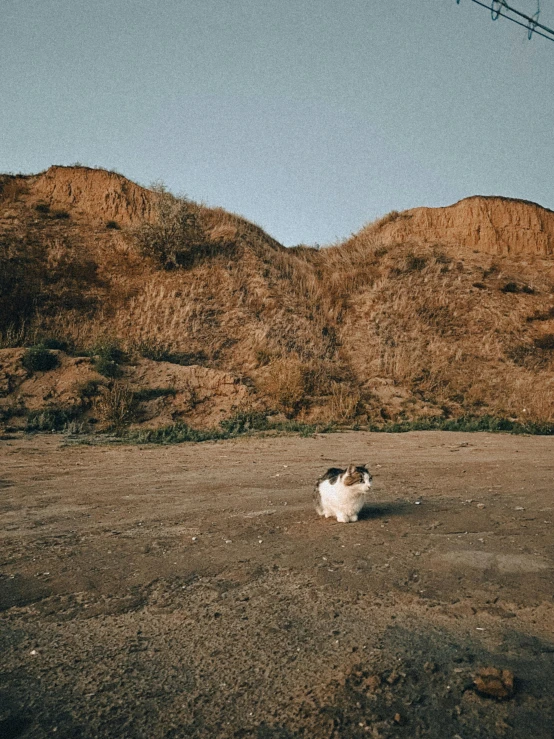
<point x="384" y="510"/>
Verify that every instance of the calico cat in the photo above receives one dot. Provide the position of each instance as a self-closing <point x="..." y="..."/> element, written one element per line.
<point x="342" y="493"/>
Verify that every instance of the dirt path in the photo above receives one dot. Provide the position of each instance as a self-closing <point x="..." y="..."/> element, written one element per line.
<point x="191" y="591"/>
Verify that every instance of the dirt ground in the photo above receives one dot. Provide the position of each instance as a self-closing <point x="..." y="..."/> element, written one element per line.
<point x="192" y="591"/>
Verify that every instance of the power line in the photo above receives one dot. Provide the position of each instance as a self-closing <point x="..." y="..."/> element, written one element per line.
<point x="532" y="25"/>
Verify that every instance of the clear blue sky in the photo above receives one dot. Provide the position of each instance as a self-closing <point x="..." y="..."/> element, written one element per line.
<point x="309" y="117"/>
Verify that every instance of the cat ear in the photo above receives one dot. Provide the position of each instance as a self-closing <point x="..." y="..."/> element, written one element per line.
<point x="351" y="469"/>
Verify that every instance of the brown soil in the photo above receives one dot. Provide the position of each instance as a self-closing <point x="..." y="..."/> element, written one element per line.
<point x="490" y="224"/>
<point x="193" y="394"/>
<point x="192" y="590"/>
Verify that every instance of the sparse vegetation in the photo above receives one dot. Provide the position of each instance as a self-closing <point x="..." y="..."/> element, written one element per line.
<point x="513" y="287"/>
<point x="108" y="358"/>
<point x="39" y="359"/>
<point x="285" y="384"/>
<point x="390" y="217"/>
<point x="545" y="342"/>
<point x="345" y="403"/>
<point x="236" y="426"/>
<point x="467" y="423"/>
<point x="50" y="419"/>
<point x="175" y="238"/>
<point x="538" y="315"/>
<point x="161" y="353"/>
<point x="366" y="329"/>
<point x="114" y="225"/>
<point x="116" y="405"/>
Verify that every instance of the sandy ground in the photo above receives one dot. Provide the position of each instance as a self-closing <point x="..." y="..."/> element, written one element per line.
<point x="191" y="591"/>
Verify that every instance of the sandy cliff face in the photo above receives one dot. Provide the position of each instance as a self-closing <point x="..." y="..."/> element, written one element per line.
<point x="492" y="225"/>
<point x="94" y="193"/>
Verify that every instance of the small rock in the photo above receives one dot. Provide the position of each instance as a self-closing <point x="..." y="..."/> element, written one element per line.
<point x="480" y="505"/>
<point x="494" y="683"/>
<point x="371" y="683"/>
<point x="519" y="508"/>
<point x="397" y="718"/>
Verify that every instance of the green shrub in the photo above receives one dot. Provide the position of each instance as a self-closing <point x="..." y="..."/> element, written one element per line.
<point x="60" y="214"/>
<point x="176" y="237"/>
<point x="513" y="287"/>
<point x="108" y="357"/>
<point x="415" y="263"/>
<point x="88" y="390"/>
<point x="546" y="342"/>
<point x="243" y="422"/>
<point x="113" y="224"/>
<point x="39" y="359"/>
<point x="43" y="208"/>
<point x="108" y="368"/>
<point x="50" y="419"/>
<point x="467" y="423"/>
<point x="52" y="343"/>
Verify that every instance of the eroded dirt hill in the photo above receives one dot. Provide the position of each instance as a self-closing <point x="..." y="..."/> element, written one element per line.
<point x="489" y="224"/>
<point x="434" y="312"/>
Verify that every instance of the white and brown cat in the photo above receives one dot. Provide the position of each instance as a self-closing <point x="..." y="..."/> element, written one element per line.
<point x="342" y="493"/>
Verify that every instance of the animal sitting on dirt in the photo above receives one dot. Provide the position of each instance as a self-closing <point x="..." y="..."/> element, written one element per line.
<point x="342" y="493"/>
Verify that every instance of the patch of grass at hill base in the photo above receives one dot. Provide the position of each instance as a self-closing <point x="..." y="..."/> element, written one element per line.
<point x="50" y="419"/>
<point x="239" y="425"/>
<point x="243" y="424"/>
<point x="467" y="423"/>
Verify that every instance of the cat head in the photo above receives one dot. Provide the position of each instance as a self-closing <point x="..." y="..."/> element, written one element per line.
<point x="358" y="475"/>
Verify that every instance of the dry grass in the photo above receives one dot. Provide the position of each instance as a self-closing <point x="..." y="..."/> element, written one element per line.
<point x="284" y="385"/>
<point x="307" y="326"/>
<point x="115" y="405"/>
<point x="345" y="403"/>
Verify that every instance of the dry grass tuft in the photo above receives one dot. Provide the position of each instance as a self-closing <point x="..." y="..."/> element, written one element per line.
<point x="284" y="385"/>
<point x="115" y="405"/>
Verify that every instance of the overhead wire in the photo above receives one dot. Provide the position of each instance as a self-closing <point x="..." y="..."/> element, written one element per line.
<point x="532" y="24"/>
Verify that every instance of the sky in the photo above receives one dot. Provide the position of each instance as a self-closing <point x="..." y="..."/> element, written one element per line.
<point x="308" y="117"/>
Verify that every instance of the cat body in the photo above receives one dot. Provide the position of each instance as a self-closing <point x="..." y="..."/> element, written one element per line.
<point x="342" y="493"/>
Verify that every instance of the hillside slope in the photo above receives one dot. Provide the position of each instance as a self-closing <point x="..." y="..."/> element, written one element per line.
<point x="433" y="312"/>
